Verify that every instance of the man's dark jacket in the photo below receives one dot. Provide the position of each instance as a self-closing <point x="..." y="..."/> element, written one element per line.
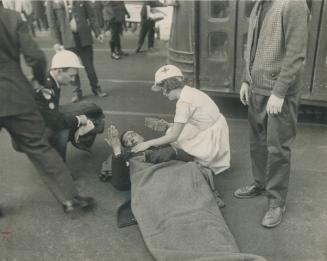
<point x="116" y="10"/>
<point x="16" y="92"/>
<point x="48" y="98"/>
<point x="58" y="117"/>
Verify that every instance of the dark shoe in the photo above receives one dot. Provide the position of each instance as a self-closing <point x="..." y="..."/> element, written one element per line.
<point x="1" y="213"/>
<point x="138" y="49"/>
<point x="76" y="97"/>
<point x="79" y="203"/>
<point x="115" y="56"/>
<point x="248" y="192"/>
<point x="273" y="217"/>
<point x="125" y="216"/>
<point x="105" y="177"/>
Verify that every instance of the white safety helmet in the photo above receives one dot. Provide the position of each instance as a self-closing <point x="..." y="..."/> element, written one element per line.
<point x="65" y="59"/>
<point x="163" y="73"/>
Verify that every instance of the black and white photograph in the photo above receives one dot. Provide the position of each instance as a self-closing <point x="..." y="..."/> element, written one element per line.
<point x="169" y="130"/>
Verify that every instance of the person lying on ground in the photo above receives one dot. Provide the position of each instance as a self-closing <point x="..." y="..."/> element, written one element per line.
<point x="121" y="154"/>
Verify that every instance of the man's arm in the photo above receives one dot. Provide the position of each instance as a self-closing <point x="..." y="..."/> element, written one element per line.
<point x="295" y="24"/>
<point x="33" y="55"/>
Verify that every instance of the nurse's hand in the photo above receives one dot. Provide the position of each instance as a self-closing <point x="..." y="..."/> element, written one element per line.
<point x="141" y="147"/>
<point x="244" y="93"/>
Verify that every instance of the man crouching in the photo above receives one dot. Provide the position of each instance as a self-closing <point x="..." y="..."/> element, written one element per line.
<point x="64" y="68"/>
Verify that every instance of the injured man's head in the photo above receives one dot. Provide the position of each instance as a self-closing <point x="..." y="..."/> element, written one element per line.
<point x="130" y="138"/>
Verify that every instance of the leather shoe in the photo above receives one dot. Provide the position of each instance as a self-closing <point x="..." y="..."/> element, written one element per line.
<point x="248" y="192"/>
<point x="79" y="203"/>
<point x="115" y="56"/>
<point x="100" y="93"/>
<point x="273" y="217"/>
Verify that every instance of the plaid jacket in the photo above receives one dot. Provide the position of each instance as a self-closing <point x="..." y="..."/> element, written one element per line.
<point x="281" y="48"/>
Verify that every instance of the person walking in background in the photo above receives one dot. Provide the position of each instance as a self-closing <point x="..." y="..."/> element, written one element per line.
<point x="20" y="116"/>
<point x="147" y="26"/>
<point x="71" y="23"/>
<point x="149" y="17"/>
<point x="40" y="14"/>
<point x="276" y="50"/>
<point x="98" y="8"/>
<point x="116" y="12"/>
<point x="24" y="7"/>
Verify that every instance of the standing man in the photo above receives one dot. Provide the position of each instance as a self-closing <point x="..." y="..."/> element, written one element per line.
<point x="70" y="24"/>
<point x="19" y="114"/>
<point x="147" y="26"/>
<point x="276" y="50"/>
<point x="116" y="11"/>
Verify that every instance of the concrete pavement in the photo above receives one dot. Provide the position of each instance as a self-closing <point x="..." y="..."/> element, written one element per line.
<point x="35" y="228"/>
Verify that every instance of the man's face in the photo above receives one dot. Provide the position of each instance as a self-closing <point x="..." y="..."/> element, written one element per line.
<point x="131" y="138"/>
<point x="66" y="76"/>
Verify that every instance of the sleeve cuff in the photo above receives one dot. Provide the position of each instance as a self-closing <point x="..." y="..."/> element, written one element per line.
<point x="280" y="90"/>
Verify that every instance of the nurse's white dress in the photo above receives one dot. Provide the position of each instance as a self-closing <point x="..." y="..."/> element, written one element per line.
<point x="205" y="135"/>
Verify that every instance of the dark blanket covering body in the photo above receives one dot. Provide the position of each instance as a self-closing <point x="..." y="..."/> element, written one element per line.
<point x="178" y="215"/>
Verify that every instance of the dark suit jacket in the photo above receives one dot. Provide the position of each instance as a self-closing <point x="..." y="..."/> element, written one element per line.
<point x="84" y="14"/>
<point x="16" y="93"/>
<point x="48" y="98"/>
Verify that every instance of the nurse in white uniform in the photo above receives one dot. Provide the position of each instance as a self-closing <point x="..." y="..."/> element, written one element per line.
<point x="199" y="128"/>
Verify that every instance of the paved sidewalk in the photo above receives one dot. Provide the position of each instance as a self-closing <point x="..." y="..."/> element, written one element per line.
<point x="35" y="229"/>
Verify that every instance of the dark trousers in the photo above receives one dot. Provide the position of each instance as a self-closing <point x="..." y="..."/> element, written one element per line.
<point x="147" y="28"/>
<point x="270" y="144"/>
<point x="120" y="170"/>
<point x="59" y="141"/>
<point x="28" y="135"/>
<point x="86" y="55"/>
<point x="116" y="29"/>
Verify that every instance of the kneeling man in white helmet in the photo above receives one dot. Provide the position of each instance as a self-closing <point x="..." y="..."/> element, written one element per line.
<point x="64" y="68"/>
